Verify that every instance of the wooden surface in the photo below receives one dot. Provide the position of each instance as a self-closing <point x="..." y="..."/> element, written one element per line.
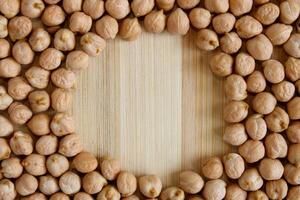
<point x="152" y="103"/>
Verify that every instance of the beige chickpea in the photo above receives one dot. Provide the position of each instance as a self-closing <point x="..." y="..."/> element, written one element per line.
<point x="11" y="168"/>
<point x="9" y="68"/>
<point x="166" y="5"/>
<point x="22" y="53"/>
<point x="19" y="113"/>
<point x="3" y="27"/>
<point x="252" y="151"/>
<point x="118" y="9"/>
<point x="57" y="165"/>
<point x="18" y="88"/>
<point x="150" y="186"/>
<point x="292" y="68"/>
<point x="142" y="7"/>
<point x="221" y="64"/>
<point x="273" y="71"/>
<point x="208" y="40"/>
<point x="48" y="185"/>
<point x="293" y="132"/>
<point x="70" y="145"/>
<point x="107" y="27"/>
<point x="4" y="48"/>
<point x="77" y="60"/>
<point x="187" y="4"/>
<point x="190" y="182"/>
<point x="223" y="23"/>
<point x="178" y="22"/>
<point x="267" y="13"/>
<point x="279" y="33"/>
<point x="53" y="15"/>
<point x="212" y="168"/>
<point x="240" y="7"/>
<point x="6" y="127"/>
<point x="235" y="134"/>
<point x="39" y="40"/>
<point x="293" y="154"/>
<point x="291" y="46"/>
<point x="277" y="189"/>
<point x="256" y="127"/>
<point x="35" y="196"/>
<point x="234" y="165"/>
<point x="200" y="18"/>
<point x="39" y="101"/>
<point x="21" y="143"/>
<point x="92" y="44"/>
<point x="292" y="108"/>
<point x="270" y="169"/>
<point x="80" y="22"/>
<point x="214" y="189"/>
<point x="26" y="185"/>
<point x="69" y="183"/>
<point x="130" y="29"/>
<point x="276" y="146"/>
<point x="264" y="103"/>
<point x="283" y="91"/>
<point x="93" y="8"/>
<point x="82" y="196"/>
<point x="10" y="8"/>
<point x="217" y="6"/>
<point x="293" y="193"/>
<point x="62" y="124"/>
<point x="248" y="27"/>
<point x="35" y="164"/>
<point x="230" y="43"/>
<point x="257" y="195"/>
<point x="32" y="8"/>
<point x="46" y="145"/>
<point x="51" y="58"/>
<point x="155" y="21"/>
<point x="173" y="193"/>
<point x="260" y="47"/>
<point x="278" y="120"/>
<point x="126" y="183"/>
<point x="234" y="192"/>
<point x="110" y="168"/>
<point x="93" y="182"/>
<point x="64" y="40"/>
<point x="244" y="64"/>
<point x="37" y="77"/>
<point x="7" y="190"/>
<point x="63" y="78"/>
<point x="235" y="111"/>
<point x="59" y="196"/>
<point x="256" y="82"/>
<point x="250" y="180"/>
<point x="109" y="193"/>
<point x="61" y="100"/>
<point x="85" y="162"/>
<point x="71" y="6"/>
<point x="39" y="124"/>
<point x="291" y="174"/>
<point x="289" y="11"/>
<point x="19" y="27"/>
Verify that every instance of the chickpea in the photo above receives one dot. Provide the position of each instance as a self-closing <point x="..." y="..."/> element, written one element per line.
<point x="292" y="69"/>
<point x="155" y="21"/>
<point x="9" y="68"/>
<point x="189" y="181"/>
<point x="291" y="174"/>
<point x="214" y="189"/>
<point x="6" y="127"/>
<point x="278" y="120"/>
<point x="230" y="43"/>
<point x="57" y="165"/>
<point x="256" y="82"/>
<point x="235" y="111"/>
<point x="217" y="6"/>
<point x="166" y="5"/>
<point x="132" y="197"/>
<point x="37" y="77"/>
<point x="293" y="154"/>
<point x="39" y="101"/>
<point x="223" y="23"/>
<point x="252" y="151"/>
<point x="213" y="168"/>
<point x="110" y="168"/>
<point x="248" y="27"/>
<point x="151" y="186"/>
<point x="80" y="22"/>
<point x="3" y="26"/>
<point x="32" y="8"/>
<point x="208" y="40"/>
<point x="178" y="22"/>
<point x="59" y="196"/>
<point x="173" y="193"/>
<point x="289" y="11"/>
<point x="64" y="40"/>
<point x="53" y="15"/>
<point x="221" y="64"/>
<point x="283" y="91"/>
<point x="85" y="162"/>
<point x="5" y="100"/>
<point x="4" y="48"/>
<point x="62" y="124"/>
<point x="273" y="71"/>
<point x="39" y="40"/>
<point x="4" y="149"/>
<point x="235" y="134"/>
<point x="71" y="6"/>
<point x="92" y="44"/>
<point x="46" y="145"/>
<point x="130" y="29"/>
<point x="234" y="192"/>
<point x="77" y="60"/>
<point x="21" y="143"/>
<point x="35" y="196"/>
<point x="93" y="182"/>
<point x="271" y="169"/>
<point x="19" y="27"/>
<point x="7" y="190"/>
<point x="240" y="7"/>
<point x="22" y="53"/>
<point x="267" y="13"/>
<point x="109" y="192"/>
<point x="48" y="185"/>
<point x="277" y="189"/>
<point x="50" y="59"/>
<point x="250" y="180"/>
<point x="184" y="4"/>
<point x="294" y="193"/>
<point x="244" y="64"/>
<point x="256" y="127"/>
<point x="39" y="124"/>
<point x="292" y="108"/>
<point x="291" y="46"/>
<point x="26" y="185"/>
<point x="35" y="164"/>
<point x="70" y="145"/>
<point x="126" y="183"/>
<point x="142" y="7"/>
<point x="61" y="100"/>
<point x="234" y="165"/>
<point x="69" y="183"/>
<point x="107" y="27"/>
<point x="293" y="132"/>
<point x="264" y="103"/>
<point x="279" y="33"/>
<point x="93" y="8"/>
<point x="257" y="195"/>
<point x="19" y="113"/>
<point x="11" y="168"/>
<point x="200" y="18"/>
<point x="10" y="8"/>
<point x="82" y="196"/>
<point x="18" y="88"/>
<point x="63" y="78"/>
<point x="118" y="9"/>
<point x="260" y="47"/>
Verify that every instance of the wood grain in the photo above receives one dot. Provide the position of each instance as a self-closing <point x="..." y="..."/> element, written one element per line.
<point x="152" y="103"/>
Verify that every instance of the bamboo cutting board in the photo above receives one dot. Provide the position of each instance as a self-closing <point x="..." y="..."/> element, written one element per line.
<point x="152" y="103"/>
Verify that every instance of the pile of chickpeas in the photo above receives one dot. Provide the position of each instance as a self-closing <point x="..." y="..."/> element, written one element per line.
<point x="44" y="44"/>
